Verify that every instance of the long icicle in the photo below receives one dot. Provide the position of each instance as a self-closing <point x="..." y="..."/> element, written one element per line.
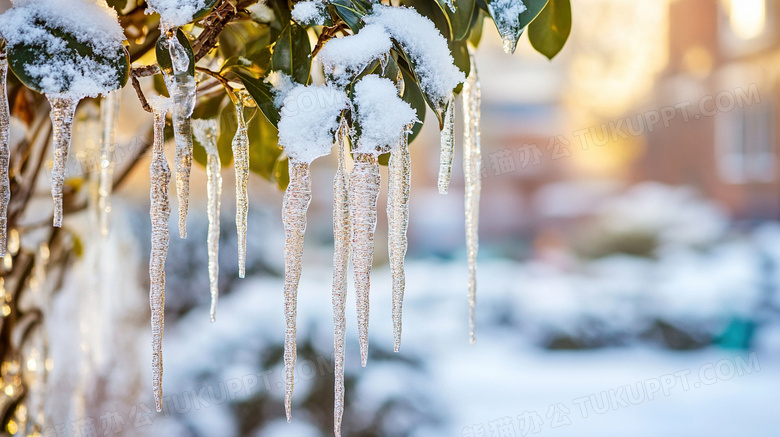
<point x="5" y="124"/>
<point x="109" y="111"/>
<point x="472" y="161"/>
<point x="182" y="88"/>
<point x="296" y="201"/>
<point x="241" y="163"/>
<point x="159" y="213"/>
<point x="363" y="193"/>
<point x="62" y="111"/>
<point x="399" y="181"/>
<point x="447" y="149"/>
<point x="341" y="237"/>
<point x="206" y="133"/>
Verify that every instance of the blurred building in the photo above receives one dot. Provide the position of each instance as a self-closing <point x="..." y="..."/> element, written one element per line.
<point x="722" y="82"/>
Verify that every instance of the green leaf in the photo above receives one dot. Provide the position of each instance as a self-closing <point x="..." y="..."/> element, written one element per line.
<point x="164" y="56"/>
<point x="205" y="10"/>
<point x="460" y="20"/>
<point x="243" y="39"/>
<point x="158" y="81"/>
<point x="261" y="91"/>
<point x="282" y="14"/>
<point x="118" y="5"/>
<point x="22" y="56"/>
<point x="349" y="12"/>
<point x="477" y="24"/>
<point x="460" y="54"/>
<point x="209" y="107"/>
<point x="414" y="97"/>
<point x="282" y="173"/>
<point x="292" y="53"/>
<point x="227" y="130"/>
<point x="264" y="147"/>
<point x="533" y="8"/>
<point x="549" y="32"/>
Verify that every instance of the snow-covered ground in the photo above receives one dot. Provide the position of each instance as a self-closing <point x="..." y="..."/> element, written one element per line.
<point x="566" y="345"/>
<point x="465" y="390"/>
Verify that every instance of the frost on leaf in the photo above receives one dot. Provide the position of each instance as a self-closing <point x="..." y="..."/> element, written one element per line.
<point x="506" y="15"/>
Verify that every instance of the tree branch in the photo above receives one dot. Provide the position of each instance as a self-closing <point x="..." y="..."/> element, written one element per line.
<point x="140" y="93"/>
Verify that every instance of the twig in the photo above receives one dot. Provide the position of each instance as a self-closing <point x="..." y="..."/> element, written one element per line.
<point x="325" y="36"/>
<point x="140" y="93"/>
<point x="214" y="24"/>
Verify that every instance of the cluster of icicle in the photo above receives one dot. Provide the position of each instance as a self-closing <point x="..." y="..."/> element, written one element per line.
<point x="355" y="192"/>
<point x="182" y="89"/>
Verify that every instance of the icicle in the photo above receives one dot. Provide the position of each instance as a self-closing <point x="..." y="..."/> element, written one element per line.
<point x="241" y="163"/>
<point x="363" y="192"/>
<point x="447" y="148"/>
<point x="472" y="160"/>
<point x="296" y="201"/>
<point x="206" y="133"/>
<point x="341" y="237"/>
<point x="182" y="88"/>
<point x="109" y="110"/>
<point x="62" y="111"/>
<point x="399" y="171"/>
<point x="5" y="124"/>
<point x="160" y="212"/>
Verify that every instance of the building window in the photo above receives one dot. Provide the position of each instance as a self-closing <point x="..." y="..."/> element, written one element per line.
<point x="745" y="144"/>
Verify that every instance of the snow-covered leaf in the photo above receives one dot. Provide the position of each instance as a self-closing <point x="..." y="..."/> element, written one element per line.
<point x="434" y="11"/>
<point x="71" y="65"/>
